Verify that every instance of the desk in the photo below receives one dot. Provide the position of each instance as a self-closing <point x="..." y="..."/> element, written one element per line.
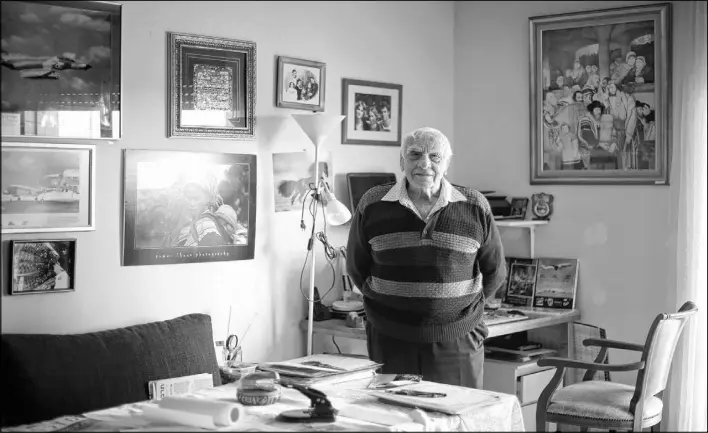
<point x="502" y="415"/>
<point x="538" y="318"/>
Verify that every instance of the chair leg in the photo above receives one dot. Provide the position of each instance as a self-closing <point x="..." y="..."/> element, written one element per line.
<point x="540" y="421"/>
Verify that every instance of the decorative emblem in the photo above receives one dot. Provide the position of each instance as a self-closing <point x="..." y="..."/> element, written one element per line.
<point x="542" y="206"/>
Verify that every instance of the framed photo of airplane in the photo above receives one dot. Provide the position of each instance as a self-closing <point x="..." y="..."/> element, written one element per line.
<point x="556" y="283"/>
<point x="61" y="69"/>
<point x="212" y="87"/>
<point x="47" y="187"/>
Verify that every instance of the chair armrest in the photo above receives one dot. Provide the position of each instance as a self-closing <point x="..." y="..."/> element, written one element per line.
<point x="569" y="363"/>
<point x="614" y="344"/>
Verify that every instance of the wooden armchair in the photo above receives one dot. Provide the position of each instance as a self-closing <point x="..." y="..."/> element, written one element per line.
<point x="615" y="406"/>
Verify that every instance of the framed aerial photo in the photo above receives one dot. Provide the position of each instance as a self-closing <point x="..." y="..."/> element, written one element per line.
<point x="600" y="99"/>
<point x="373" y="112"/>
<point x="42" y="266"/>
<point x="47" y="187"/>
<point x="188" y="207"/>
<point x="212" y="87"/>
<point x="61" y="69"/>
<point x="301" y="84"/>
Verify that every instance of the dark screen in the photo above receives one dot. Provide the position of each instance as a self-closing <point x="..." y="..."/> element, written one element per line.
<point x="359" y="183"/>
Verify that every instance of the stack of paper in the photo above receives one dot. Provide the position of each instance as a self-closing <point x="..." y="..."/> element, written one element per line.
<point x="322" y="369"/>
<point x="457" y="400"/>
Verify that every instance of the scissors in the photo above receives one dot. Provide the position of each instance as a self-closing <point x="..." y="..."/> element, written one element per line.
<point x="232" y="347"/>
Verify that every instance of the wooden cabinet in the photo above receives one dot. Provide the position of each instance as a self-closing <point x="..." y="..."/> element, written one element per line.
<point x="526" y="380"/>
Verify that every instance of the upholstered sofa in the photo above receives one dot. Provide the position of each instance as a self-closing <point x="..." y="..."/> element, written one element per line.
<point x="45" y="376"/>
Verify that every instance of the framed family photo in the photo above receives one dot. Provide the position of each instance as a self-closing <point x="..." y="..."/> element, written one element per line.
<point x="188" y="207"/>
<point x="47" y="187"/>
<point x="42" y="266"/>
<point x="374" y="112"/>
<point x="301" y="84"/>
<point x="600" y="102"/>
<point x="61" y="69"/>
<point x="212" y="87"/>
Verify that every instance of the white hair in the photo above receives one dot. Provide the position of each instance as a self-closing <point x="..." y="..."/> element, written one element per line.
<point x="426" y="136"/>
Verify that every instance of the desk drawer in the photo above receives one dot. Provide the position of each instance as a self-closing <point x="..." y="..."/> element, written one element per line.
<point x="530" y="386"/>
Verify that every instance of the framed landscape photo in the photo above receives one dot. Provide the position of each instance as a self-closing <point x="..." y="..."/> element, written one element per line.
<point x="61" y="69"/>
<point x="48" y="187"/>
<point x="600" y="99"/>
<point x="42" y="266"/>
<point x="212" y="87"/>
<point x="301" y="84"/>
<point x="188" y="207"/>
<point x="373" y="112"/>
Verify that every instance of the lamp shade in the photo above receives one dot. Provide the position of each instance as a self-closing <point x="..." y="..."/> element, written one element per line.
<point x="335" y="212"/>
<point x="318" y="126"/>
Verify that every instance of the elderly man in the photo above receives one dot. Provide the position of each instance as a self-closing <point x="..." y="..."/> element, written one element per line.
<point x="426" y="254"/>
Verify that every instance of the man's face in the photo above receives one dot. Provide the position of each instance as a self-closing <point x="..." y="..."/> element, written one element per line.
<point x="587" y="98"/>
<point x="631" y="60"/>
<point x="597" y="112"/>
<point x="578" y="97"/>
<point x="588" y="69"/>
<point x="612" y="88"/>
<point x="294" y="74"/>
<point x="196" y="199"/>
<point x="385" y="113"/>
<point x="604" y="83"/>
<point x="646" y="110"/>
<point x="425" y="164"/>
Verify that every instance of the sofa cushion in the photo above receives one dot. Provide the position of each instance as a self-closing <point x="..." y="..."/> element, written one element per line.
<point x="45" y="376"/>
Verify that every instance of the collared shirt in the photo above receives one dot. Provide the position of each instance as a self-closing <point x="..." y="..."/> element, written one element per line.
<point x="448" y="195"/>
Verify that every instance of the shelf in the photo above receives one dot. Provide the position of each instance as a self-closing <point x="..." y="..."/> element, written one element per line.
<point x="520" y="223"/>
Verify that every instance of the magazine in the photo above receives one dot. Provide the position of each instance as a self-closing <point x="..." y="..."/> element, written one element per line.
<point x="450" y="399"/>
<point x="556" y="283"/>
<point x="320" y="365"/>
<point x="521" y="282"/>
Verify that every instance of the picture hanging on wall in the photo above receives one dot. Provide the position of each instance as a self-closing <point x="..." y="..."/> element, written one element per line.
<point x="43" y="266"/>
<point x="212" y="87"/>
<point x="61" y="69"/>
<point x="293" y="178"/>
<point x="188" y="207"/>
<point x="374" y="112"/>
<point x="601" y="96"/>
<point x="301" y="84"/>
<point x="47" y="187"/>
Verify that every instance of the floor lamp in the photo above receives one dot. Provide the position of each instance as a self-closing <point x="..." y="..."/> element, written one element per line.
<point x="317" y="127"/>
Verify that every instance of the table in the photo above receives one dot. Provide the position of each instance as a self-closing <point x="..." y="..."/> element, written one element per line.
<point x="502" y="415"/>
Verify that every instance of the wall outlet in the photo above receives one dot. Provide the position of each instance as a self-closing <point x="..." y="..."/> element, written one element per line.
<point x="219" y="343"/>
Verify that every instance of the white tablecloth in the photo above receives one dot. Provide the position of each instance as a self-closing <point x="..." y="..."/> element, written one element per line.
<point x="502" y="415"/>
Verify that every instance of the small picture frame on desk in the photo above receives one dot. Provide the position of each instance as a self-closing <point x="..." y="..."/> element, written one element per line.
<point x="518" y="208"/>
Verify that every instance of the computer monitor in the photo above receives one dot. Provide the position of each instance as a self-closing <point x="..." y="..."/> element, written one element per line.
<point x="359" y="183"/>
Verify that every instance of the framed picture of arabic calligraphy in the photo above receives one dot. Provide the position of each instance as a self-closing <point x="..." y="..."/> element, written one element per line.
<point x="61" y="70"/>
<point x="600" y="98"/>
<point x="188" y="207"/>
<point x="212" y="87"/>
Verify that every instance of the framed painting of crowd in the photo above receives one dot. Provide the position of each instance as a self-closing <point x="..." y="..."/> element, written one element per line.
<point x="600" y="100"/>
<point x="188" y="207"/>
<point x="212" y="87"/>
<point x="374" y="112"/>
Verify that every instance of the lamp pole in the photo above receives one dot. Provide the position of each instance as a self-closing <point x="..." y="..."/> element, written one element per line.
<point x="310" y="247"/>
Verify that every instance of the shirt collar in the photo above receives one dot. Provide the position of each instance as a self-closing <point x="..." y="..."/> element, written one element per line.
<point x="448" y="193"/>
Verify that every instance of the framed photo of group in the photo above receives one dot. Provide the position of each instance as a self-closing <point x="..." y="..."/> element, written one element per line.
<point x="600" y="102"/>
<point x="212" y="87"/>
<point x="374" y="112"/>
<point x="42" y="266"/>
<point x="61" y="69"/>
<point x="301" y="84"/>
<point x="47" y="187"/>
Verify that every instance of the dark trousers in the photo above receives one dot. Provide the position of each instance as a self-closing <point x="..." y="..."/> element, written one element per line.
<point x="455" y="362"/>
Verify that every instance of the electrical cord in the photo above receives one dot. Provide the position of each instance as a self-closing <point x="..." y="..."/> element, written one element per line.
<point x="336" y="345"/>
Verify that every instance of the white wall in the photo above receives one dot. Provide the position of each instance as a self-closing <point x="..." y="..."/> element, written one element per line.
<point x="395" y="42"/>
<point x="624" y="236"/>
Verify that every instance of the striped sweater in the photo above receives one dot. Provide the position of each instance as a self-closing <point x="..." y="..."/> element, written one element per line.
<point x="425" y="281"/>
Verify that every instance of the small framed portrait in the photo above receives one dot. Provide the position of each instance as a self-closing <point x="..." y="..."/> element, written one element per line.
<point x="212" y="87"/>
<point x="61" y="69"/>
<point x="373" y="112"/>
<point x="301" y="84"/>
<point x="48" y="187"/>
<point x="43" y="266"/>
<point x="518" y="207"/>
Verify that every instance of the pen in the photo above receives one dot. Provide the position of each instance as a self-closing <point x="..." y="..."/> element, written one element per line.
<point x="414" y="393"/>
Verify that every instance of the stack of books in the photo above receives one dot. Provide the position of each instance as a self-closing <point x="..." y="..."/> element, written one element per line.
<point x="322" y="369"/>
